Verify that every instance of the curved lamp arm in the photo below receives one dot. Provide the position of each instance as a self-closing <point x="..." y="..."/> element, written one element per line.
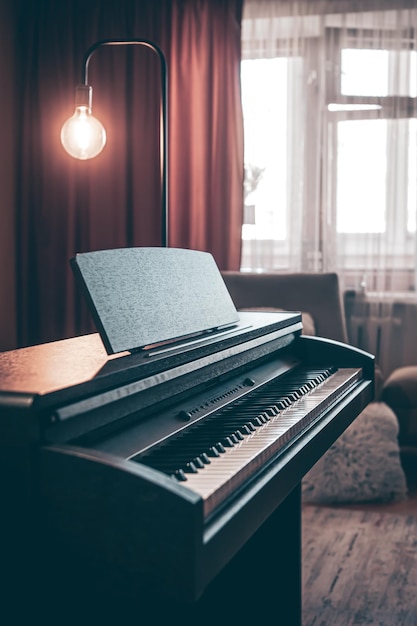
<point x="83" y="136"/>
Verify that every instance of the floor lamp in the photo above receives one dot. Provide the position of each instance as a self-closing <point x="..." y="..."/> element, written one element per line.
<point x="84" y="137"/>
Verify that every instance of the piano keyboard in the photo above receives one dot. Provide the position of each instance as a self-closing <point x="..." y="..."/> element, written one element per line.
<point x="216" y="456"/>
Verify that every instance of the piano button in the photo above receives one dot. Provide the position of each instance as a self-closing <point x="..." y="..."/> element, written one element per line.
<point x="184" y="416"/>
<point x="198" y="462"/>
<point x="213" y="451"/>
<point x="235" y="438"/>
<point x="248" y="382"/>
<point x="249" y="427"/>
<point x="238" y="435"/>
<point x="220" y="447"/>
<point x="227" y="441"/>
<point x="205" y="458"/>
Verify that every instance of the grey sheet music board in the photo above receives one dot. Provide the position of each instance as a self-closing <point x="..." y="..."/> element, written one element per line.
<point x="143" y="296"/>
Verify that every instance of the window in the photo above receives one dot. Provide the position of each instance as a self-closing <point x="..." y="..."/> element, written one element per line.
<point x="365" y="207"/>
<point x="374" y="186"/>
<point x="265" y="114"/>
<point x="272" y="159"/>
<point x="330" y="151"/>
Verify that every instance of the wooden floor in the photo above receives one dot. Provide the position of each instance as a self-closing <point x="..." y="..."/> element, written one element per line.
<point x="360" y="563"/>
<point x="359" y="566"/>
<point x="404" y="507"/>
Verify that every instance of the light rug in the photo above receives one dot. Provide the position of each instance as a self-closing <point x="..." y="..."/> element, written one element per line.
<point x="363" y="465"/>
<point x="359" y="567"/>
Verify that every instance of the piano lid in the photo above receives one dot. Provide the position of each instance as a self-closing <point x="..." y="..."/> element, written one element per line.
<point x="59" y="367"/>
<point x="143" y="296"/>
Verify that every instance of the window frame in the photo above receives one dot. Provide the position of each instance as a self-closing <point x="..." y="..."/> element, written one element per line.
<point x="391" y="107"/>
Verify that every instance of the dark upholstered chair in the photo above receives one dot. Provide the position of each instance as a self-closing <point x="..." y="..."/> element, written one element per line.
<point x="399" y="391"/>
<point x="315" y="294"/>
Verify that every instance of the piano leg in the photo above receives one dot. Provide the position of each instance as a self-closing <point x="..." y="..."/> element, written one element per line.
<point x="262" y="584"/>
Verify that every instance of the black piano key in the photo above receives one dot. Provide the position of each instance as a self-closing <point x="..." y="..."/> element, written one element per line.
<point x="272" y="410"/>
<point x="180" y="475"/>
<point x="263" y="413"/>
<point x="293" y="396"/>
<point x="205" y="439"/>
<point x="264" y="417"/>
<point x="190" y="468"/>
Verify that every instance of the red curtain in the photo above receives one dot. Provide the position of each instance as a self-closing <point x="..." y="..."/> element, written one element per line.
<point x="66" y="206"/>
<point x="206" y="138"/>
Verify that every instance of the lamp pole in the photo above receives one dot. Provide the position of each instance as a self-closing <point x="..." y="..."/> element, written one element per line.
<point x="83" y="136"/>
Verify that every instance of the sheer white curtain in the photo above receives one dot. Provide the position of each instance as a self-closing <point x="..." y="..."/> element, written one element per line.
<point x="329" y="97"/>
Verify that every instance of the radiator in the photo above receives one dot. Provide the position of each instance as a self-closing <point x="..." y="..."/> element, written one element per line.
<point x="385" y="327"/>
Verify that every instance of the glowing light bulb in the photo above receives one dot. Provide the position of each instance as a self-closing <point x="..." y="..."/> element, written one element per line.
<point x="82" y="135"/>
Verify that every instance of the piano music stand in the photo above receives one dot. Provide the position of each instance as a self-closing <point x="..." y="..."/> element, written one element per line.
<point x="144" y="296"/>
